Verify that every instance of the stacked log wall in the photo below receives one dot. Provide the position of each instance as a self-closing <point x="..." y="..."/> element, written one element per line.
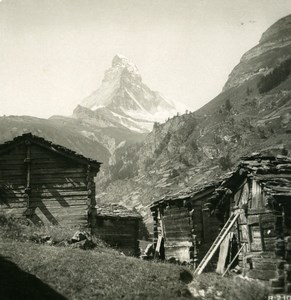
<point x="256" y="228"/>
<point x="13" y="181"/>
<point x="178" y="239"/>
<point x="57" y="190"/>
<point x="121" y="233"/>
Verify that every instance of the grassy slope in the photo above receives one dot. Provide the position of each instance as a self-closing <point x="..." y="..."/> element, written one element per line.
<point x="40" y="271"/>
<point x="79" y="274"/>
<point x="37" y="271"/>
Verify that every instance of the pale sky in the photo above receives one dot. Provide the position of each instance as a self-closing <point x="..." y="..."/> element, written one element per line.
<point x="53" y="53"/>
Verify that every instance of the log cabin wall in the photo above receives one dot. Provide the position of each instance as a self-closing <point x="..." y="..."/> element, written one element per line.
<point x="177" y="233"/>
<point x="13" y="181"/>
<point x="120" y="233"/>
<point x="45" y="185"/>
<point x="261" y="194"/>
<point x="188" y="230"/>
<point x="256" y="228"/>
<point x="118" y="226"/>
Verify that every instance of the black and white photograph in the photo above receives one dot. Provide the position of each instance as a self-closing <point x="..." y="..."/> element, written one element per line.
<point x="145" y="149"/>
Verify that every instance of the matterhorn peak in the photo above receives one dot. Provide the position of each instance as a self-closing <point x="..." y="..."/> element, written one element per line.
<point x="123" y="94"/>
<point x="121" y="61"/>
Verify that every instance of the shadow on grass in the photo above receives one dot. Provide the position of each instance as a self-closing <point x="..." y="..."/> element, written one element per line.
<point x="17" y="284"/>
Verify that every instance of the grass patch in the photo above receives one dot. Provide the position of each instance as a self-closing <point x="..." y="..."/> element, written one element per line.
<point x="24" y="230"/>
<point x="212" y="286"/>
<point x="78" y="274"/>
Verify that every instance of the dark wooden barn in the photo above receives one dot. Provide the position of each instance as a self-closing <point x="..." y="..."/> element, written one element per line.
<point x="183" y="228"/>
<point x="45" y="182"/>
<point x="259" y="192"/>
<point x="118" y="226"/>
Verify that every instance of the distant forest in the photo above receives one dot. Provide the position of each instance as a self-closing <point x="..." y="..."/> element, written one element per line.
<point x="274" y="78"/>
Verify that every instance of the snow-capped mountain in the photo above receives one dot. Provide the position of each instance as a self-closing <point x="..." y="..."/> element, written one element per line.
<point x="124" y="100"/>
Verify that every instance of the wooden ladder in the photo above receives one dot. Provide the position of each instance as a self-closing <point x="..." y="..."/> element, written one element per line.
<point x="222" y="234"/>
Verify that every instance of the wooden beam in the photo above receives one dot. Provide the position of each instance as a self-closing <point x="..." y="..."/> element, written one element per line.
<point x="27" y="161"/>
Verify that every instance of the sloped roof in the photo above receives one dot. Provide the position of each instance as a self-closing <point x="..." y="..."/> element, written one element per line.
<point x="116" y="211"/>
<point x="194" y="191"/>
<point x="50" y="146"/>
<point x="273" y="173"/>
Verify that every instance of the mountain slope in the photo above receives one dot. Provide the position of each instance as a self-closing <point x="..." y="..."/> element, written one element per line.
<point x="252" y="114"/>
<point x="87" y="139"/>
<point x="124" y="99"/>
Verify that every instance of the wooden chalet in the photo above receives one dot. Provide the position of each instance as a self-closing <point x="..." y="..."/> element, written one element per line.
<point x="45" y="182"/>
<point x="183" y="229"/>
<point x="259" y="193"/>
<point x="118" y="226"/>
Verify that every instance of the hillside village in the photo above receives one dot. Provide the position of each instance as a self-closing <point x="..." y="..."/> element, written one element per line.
<point x="198" y="207"/>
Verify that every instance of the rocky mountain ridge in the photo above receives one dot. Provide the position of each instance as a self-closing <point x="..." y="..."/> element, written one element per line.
<point x="252" y="114"/>
<point x="118" y="114"/>
<point x="124" y="99"/>
<point x="260" y="60"/>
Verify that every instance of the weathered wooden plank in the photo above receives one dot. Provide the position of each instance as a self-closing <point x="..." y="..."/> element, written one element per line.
<point x="13" y="188"/>
<point x="256" y="234"/>
<point x="115" y="229"/>
<point x="256" y="245"/>
<point x="58" y="171"/>
<point x="184" y="219"/>
<point x="45" y="155"/>
<point x="175" y="209"/>
<point x="55" y="167"/>
<point x="257" y="198"/>
<point x="14" y="211"/>
<point x="57" y="180"/>
<point x="16" y="205"/>
<point x="176" y="216"/>
<point x="182" y="253"/>
<point x="17" y="172"/>
<point x="268" y="218"/>
<point x="55" y="159"/>
<point x="64" y="176"/>
<point x="270" y="243"/>
<point x="56" y="205"/>
<point x="112" y="234"/>
<point x="181" y="226"/>
<point x="60" y="199"/>
<point x="223" y="252"/>
<point x="8" y="167"/>
<point x="57" y="193"/>
<point x="18" y="214"/>
<point x="12" y="197"/>
<point x="12" y="181"/>
<point x="61" y="186"/>
<point x="178" y="237"/>
<point x="17" y="158"/>
<point x="253" y="219"/>
<point x="255" y="211"/>
<point x="262" y="274"/>
<point x="11" y="162"/>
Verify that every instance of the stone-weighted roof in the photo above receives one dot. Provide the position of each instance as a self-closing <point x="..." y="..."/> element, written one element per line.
<point x="116" y="211"/>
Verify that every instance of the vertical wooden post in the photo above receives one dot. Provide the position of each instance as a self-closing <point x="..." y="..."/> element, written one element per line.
<point x="155" y="227"/>
<point x="195" y="252"/>
<point x="238" y="230"/>
<point x="90" y="185"/>
<point x="261" y="233"/>
<point x="27" y="190"/>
